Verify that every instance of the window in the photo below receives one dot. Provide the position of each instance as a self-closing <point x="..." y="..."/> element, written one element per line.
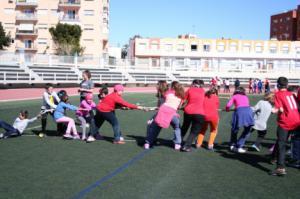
<point x="285" y="49"/>
<point x="28" y="43"/>
<point x="273" y="49"/>
<point x="246" y="48"/>
<point x="206" y="47"/>
<point x="221" y="47"/>
<point x="88" y="27"/>
<point x="258" y="48"/>
<point x="169" y="47"/>
<point x="180" y="47"/>
<point x="194" y="47"/>
<point x="42" y="26"/>
<point x="275" y="21"/>
<point x="298" y="50"/>
<point x="154" y="46"/>
<point x="233" y="47"/>
<point x="54" y="12"/>
<point x="88" y="12"/>
<point x="180" y="62"/>
<point x="42" y="41"/>
<point x="142" y="46"/>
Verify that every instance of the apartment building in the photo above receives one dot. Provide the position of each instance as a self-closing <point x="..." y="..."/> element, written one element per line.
<point x="284" y="26"/>
<point x="192" y="53"/>
<point x="28" y="23"/>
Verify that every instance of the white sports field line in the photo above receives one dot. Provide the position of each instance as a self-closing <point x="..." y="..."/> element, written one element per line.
<point x="34" y="127"/>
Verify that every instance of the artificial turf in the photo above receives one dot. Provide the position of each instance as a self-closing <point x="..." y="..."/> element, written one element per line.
<point x="49" y="167"/>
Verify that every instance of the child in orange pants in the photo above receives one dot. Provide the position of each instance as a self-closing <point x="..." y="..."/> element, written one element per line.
<point x="211" y="105"/>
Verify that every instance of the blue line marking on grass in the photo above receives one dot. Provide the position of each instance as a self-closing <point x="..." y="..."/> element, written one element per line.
<point x="90" y="188"/>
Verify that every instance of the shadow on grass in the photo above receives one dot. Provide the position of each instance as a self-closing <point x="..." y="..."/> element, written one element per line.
<point x="251" y="159"/>
<point x="140" y="140"/>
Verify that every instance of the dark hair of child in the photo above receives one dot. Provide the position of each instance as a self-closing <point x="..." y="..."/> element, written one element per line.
<point x="240" y="90"/>
<point x="24" y="113"/>
<point x="162" y="88"/>
<point x="211" y="92"/>
<point x="102" y="91"/>
<point x="282" y="82"/>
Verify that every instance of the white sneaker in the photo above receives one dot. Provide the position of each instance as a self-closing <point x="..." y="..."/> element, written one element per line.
<point x="68" y="136"/>
<point x="240" y="150"/>
<point x="232" y="148"/>
<point x="177" y="147"/>
<point x="1" y="135"/>
<point x="146" y="146"/>
<point x="90" y="139"/>
<point x="121" y="138"/>
<point x="255" y="148"/>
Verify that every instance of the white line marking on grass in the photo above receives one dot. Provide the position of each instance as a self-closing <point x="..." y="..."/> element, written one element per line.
<point x="129" y="140"/>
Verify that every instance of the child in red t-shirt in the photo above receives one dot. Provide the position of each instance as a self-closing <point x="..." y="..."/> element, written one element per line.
<point x="211" y="105"/>
<point x="287" y="120"/>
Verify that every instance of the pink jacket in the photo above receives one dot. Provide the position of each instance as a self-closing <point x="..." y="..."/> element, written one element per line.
<point x="238" y="101"/>
<point x="84" y="104"/>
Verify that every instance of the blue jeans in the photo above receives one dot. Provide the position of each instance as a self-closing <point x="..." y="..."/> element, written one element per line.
<point x="242" y="139"/>
<point x="153" y="128"/>
<point x="153" y="131"/>
<point x="101" y="117"/>
<point x="175" y="123"/>
<point x="9" y="130"/>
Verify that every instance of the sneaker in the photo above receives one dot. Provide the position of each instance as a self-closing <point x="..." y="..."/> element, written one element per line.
<point x="76" y="137"/>
<point x="1" y="135"/>
<point x="278" y="172"/>
<point x="210" y="148"/>
<point x="91" y="139"/>
<point x="177" y="147"/>
<point x="198" y="146"/>
<point x="119" y="142"/>
<point x="146" y="146"/>
<point x="255" y="148"/>
<point x="232" y="148"/>
<point x="186" y="149"/>
<point x="83" y="138"/>
<point x="121" y="138"/>
<point x="240" y="150"/>
<point x="68" y="136"/>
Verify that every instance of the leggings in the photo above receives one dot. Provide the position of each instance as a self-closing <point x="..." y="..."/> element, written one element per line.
<point x="194" y="120"/>
<point x="71" y="124"/>
<point x="213" y="132"/>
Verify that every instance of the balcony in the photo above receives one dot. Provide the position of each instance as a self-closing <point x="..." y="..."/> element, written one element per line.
<point x="69" y="19"/>
<point x="26" y="17"/>
<point x="27" y="48"/>
<point x="69" y="4"/>
<point x="27" y="32"/>
<point x="26" y="3"/>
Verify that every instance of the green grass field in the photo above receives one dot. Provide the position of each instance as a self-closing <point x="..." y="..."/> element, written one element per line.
<point x="49" y="167"/>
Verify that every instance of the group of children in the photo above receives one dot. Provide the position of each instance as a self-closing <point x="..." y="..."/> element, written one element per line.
<point x="200" y="107"/>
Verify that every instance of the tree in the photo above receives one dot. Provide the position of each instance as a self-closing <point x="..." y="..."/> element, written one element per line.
<point x="67" y="39"/>
<point x="5" y="40"/>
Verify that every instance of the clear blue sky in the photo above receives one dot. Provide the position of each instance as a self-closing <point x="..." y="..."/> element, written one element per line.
<point x="240" y="19"/>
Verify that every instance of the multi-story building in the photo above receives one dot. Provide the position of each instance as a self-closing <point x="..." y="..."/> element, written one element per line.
<point x="28" y="23"/>
<point x="194" y="54"/>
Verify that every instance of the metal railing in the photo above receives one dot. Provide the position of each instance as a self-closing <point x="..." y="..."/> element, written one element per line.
<point x="26" y="2"/>
<point x="69" y="2"/>
<point x="26" y="16"/>
<point x="15" y="77"/>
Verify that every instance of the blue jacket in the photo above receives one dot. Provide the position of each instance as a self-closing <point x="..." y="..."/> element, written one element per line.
<point x="60" y="110"/>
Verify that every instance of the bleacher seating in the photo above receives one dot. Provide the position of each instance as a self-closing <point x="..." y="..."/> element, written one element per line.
<point x="105" y="75"/>
<point x="54" y="73"/>
<point x="14" y="74"/>
<point x="148" y="77"/>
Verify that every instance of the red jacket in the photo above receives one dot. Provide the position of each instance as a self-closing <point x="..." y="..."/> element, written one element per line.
<point x="195" y="99"/>
<point x="108" y="103"/>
